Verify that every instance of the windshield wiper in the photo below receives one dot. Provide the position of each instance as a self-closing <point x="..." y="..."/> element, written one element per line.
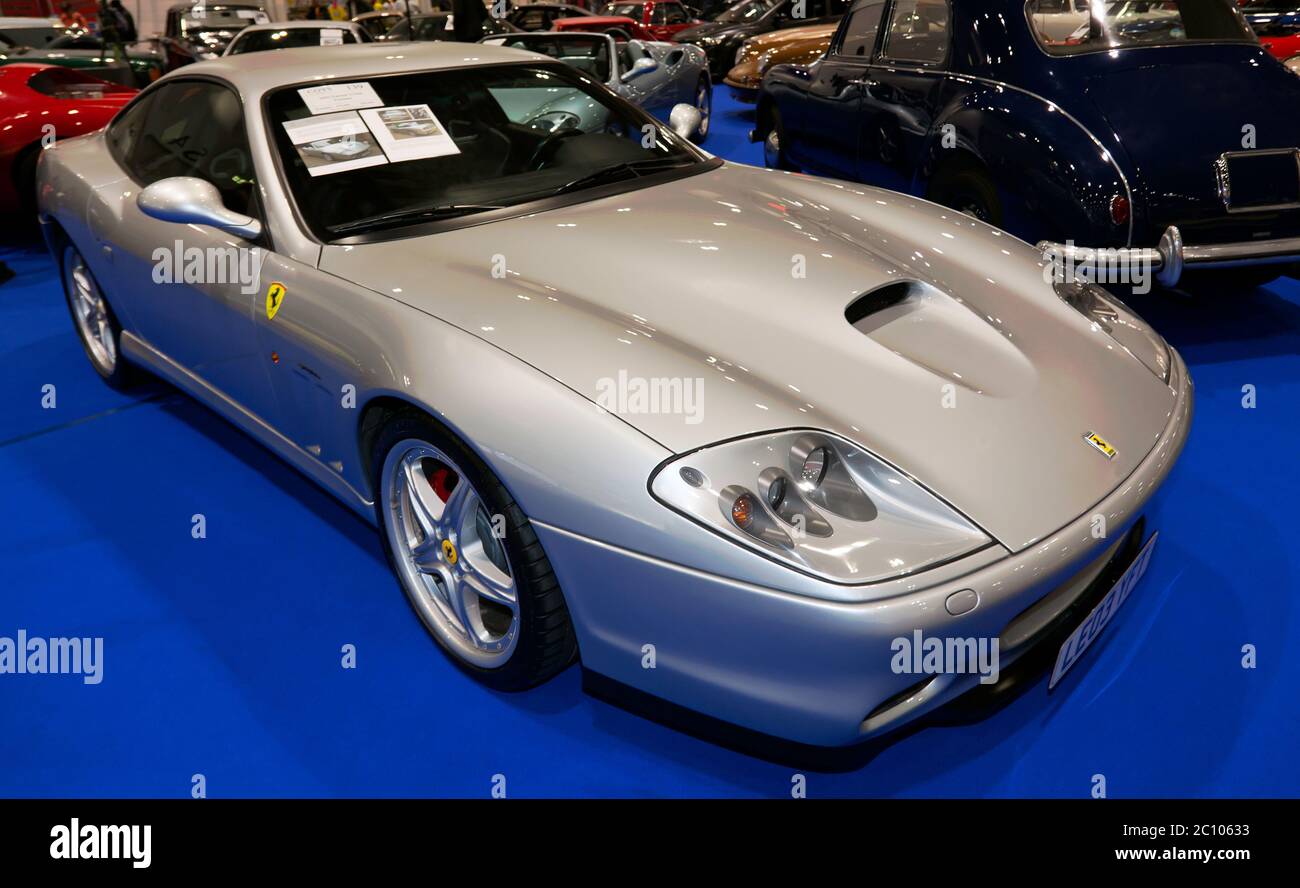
<point x="411" y="216"/>
<point x="614" y="172"/>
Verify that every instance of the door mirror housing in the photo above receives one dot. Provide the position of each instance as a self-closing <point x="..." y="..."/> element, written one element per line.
<point x="640" y="68"/>
<point x="685" y="120"/>
<point x="191" y="201"/>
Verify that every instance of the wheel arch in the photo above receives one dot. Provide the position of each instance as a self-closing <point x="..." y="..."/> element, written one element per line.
<point x="1055" y="184"/>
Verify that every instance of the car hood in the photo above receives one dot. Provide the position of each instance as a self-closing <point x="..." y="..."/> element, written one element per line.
<point x="982" y="384"/>
<point x="1173" y="163"/>
<point x="804" y="34"/>
<point x="707" y="29"/>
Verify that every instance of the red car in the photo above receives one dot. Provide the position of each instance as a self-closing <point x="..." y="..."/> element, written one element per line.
<point x="45" y="101"/>
<point x="661" y="19"/>
<point x="1283" y="49"/>
<point x="599" y="24"/>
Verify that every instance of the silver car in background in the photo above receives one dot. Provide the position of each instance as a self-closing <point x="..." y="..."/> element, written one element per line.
<point x="607" y="397"/>
<point x="656" y="75"/>
<point x="295" y="35"/>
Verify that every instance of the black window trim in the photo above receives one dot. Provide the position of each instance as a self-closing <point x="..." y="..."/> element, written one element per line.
<point x="882" y="42"/>
<point x="837" y="42"/>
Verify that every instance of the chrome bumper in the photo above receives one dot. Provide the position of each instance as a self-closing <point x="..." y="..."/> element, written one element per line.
<point x="1167" y="260"/>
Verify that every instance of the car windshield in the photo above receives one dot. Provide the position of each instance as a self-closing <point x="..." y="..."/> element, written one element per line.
<point x="259" y="41"/>
<point x="749" y="11"/>
<point x="1063" y="27"/>
<point x="441" y="144"/>
<point x="587" y="54"/>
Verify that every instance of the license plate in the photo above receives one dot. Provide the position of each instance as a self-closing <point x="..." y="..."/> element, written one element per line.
<point x="1251" y="181"/>
<point x="1096" y="621"/>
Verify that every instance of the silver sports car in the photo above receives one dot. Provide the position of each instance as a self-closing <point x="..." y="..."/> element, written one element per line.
<point x="747" y="441"/>
<point x="655" y="75"/>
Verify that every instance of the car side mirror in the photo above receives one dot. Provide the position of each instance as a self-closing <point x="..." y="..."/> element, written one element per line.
<point x="191" y="201"/>
<point x="640" y="67"/>
<point x="685" y="120"/>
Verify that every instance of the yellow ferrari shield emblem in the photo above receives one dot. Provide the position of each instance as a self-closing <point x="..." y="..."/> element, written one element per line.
<point x="274" y="298"/>
<point x="449" y="551"/>
<point x="1100" y="444"/>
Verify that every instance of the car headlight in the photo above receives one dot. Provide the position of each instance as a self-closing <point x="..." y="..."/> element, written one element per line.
<point x="1293" y="64"/>
<point x="1119" y="322"/>
<point x="818" y="503"/>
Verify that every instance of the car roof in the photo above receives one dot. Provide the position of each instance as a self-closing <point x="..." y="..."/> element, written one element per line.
<point x="299" y="23"/>
<point x="255" y="73"/>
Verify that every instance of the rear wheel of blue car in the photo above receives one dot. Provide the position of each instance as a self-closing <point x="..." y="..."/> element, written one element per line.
<point x="967" y="189"/>
<point x="774" y="156"/>
<point x="467" y="557"/>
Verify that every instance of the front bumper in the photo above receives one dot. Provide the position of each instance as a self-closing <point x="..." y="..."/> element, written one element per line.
<point x="746" y="94"/>
<point x="1170" y="257"/>
<point x="818" y="672"/>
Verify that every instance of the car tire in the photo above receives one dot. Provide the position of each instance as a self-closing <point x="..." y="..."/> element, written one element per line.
<point x="703" y="104"/>
<point x="96" y="325"/>
<point x="965" y="187"/>
<point x="457" y="574"/>
<point x="774" y="155"/>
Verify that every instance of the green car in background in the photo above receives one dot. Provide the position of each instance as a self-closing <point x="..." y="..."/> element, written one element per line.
<point x="79" y="49"/>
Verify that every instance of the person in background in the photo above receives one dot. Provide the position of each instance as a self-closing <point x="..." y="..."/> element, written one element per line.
<point x="126" y="22"/>
<point x="467" y="17"/>
<point x="337" y="11"/>
<point x="70" y="18"/>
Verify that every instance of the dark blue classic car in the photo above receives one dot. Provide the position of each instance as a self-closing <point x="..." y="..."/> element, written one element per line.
<point x="1155" y="125"/>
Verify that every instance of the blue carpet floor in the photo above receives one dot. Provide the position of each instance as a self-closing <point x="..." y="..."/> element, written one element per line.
<point x="222" y="655"/>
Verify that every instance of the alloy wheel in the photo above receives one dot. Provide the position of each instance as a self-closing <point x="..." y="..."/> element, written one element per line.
<point x="90" y="312"/>
<point x="450" y="560"/>
<point x="704" y="104"/>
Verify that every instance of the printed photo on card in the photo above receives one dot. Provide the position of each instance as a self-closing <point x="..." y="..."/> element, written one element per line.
<point x="334" y="143"/>
<point x="409" y="132"/>
<point x="339" y="97"/>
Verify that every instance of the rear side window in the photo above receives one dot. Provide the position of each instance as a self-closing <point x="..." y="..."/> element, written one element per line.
<point x="1122" y="23"/>
<point x="918" y="32"/>
<point x="860" y="32"/>
<point x="193" y="128"/>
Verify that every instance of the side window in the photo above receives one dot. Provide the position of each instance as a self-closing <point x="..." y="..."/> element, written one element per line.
<point x="123" y="133"/>
<point x="674" y="14"/>
<point x="195" y="128"/>
<point x="659" y="14"/>
<point x="860" y="32"/>
<point x="918" y="32"/>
